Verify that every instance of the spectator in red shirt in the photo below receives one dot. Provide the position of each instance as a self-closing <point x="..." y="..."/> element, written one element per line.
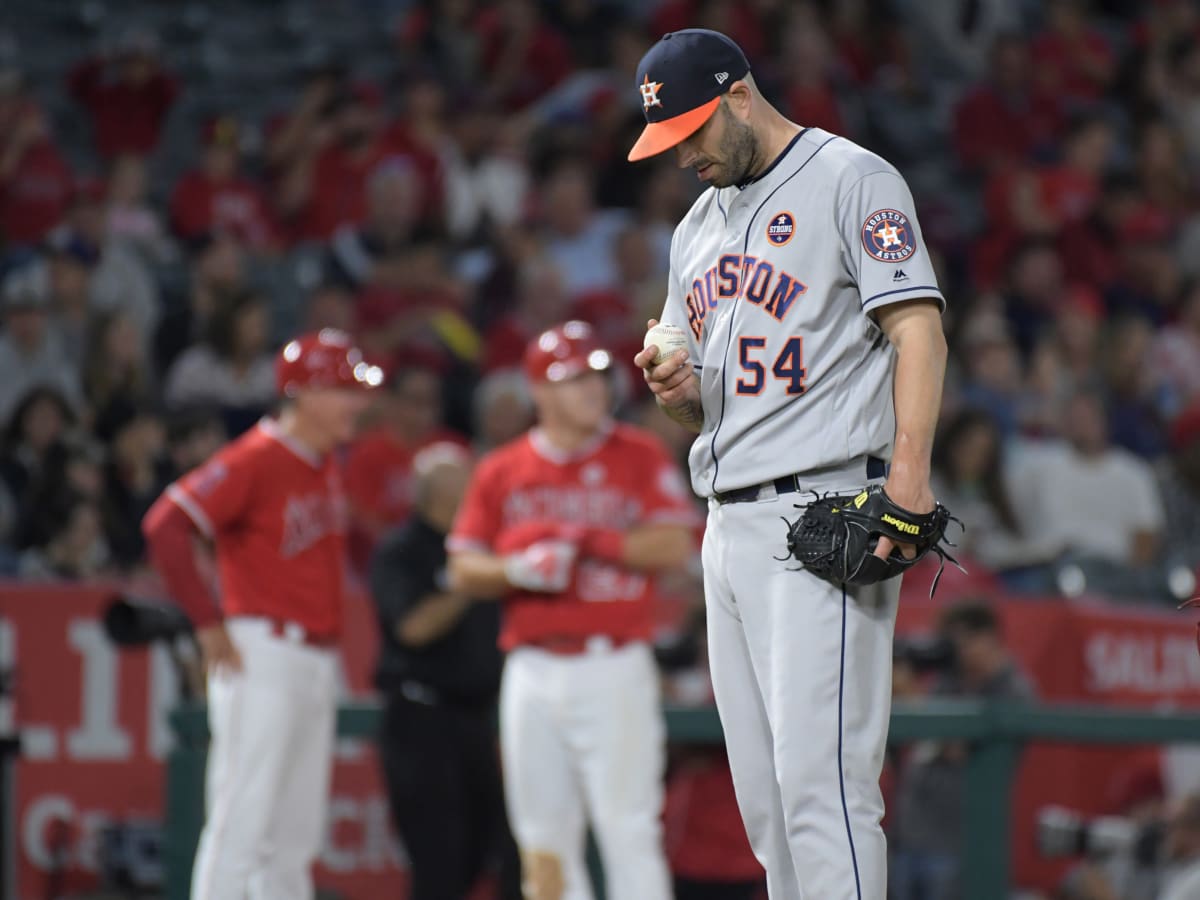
<point x="421" y="133"/>
<point x="1008" y="117"/>
<point x="378" y="470"/>
<point x="541" y="301"/>
<point x="523" y="57"/>
<point x="127" y="95"/>
<point x="1072" y="59"/>
<point x="1088" y="251"/>
<point x="1047" y="202"/>
<point x="216" y="197"/>
<point x="35" y="180"/>
<point x="741" y="21"/>
<point x="1068" y="192"/>
<point x="809" y="93"/>
<point x="1149" y="280"/>
<point x="327" y="184"/>
<point x="303" y="132"/>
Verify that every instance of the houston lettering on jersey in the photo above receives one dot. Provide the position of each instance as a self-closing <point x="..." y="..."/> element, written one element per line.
<point x="754" y="280"/>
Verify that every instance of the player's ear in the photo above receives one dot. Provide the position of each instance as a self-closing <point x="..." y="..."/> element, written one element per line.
<point x="740" y="99"/>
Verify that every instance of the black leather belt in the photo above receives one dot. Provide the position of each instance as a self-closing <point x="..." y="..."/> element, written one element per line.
<point x="789" y="484"/>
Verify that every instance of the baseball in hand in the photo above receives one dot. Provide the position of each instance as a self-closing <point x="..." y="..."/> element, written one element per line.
<point x="668" y="338"/>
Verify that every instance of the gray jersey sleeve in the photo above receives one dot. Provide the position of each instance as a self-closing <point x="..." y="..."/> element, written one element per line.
<point x="675" y="311"/>
<point x="881" y="242"/>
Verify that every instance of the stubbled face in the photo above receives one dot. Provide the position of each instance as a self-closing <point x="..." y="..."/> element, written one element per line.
<point x="722" y="152"/>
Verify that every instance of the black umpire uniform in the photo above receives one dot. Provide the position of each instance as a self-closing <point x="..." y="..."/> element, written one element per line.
<point x="438" y="737"/>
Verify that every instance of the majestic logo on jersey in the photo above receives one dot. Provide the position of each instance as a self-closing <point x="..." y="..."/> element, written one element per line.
<point x="752" y="279"/>
<point x="649" y="91"/>
<point x="888" y="236"/>
<point x="781" y="228"/>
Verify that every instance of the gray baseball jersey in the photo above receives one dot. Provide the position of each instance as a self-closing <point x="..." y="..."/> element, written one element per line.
<point x="773" y="282"/>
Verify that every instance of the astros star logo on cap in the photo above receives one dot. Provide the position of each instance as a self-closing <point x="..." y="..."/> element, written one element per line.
<point x="649" y="91"/>
<point x="700" y="66"/>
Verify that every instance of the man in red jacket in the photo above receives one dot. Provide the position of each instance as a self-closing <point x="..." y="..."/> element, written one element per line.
<point x="272" y="504"/>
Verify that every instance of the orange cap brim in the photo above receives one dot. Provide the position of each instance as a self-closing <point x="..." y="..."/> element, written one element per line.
<point x="660" y="136"/>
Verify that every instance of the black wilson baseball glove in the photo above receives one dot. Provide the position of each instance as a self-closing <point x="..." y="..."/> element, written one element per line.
<point x="836" y="536"/>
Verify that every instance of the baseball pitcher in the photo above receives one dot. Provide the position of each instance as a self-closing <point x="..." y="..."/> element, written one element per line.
<point x="272" y="504"/>
<point x="814" y="359"/>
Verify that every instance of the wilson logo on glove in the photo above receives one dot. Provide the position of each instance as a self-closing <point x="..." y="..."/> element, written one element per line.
<point x="906" y="527"/>
<point x="836" y="537"/>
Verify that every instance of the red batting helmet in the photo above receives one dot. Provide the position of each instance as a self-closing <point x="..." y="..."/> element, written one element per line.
<point x="323" y="359"/>
<point x="563" y="352"/>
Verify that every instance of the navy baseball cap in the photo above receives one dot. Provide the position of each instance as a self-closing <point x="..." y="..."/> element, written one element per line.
<point x="681" y="80"/>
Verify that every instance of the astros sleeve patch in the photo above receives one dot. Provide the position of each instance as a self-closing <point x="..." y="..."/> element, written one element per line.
<point x="882" y="243"/>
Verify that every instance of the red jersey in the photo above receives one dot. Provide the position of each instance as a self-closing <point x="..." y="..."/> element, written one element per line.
<point x="528" y="490"/>
<point x="703" y="832"/>
<point x="339" y="188"/>
<point x="200" y="205"/>
<point x="277" y="515"/>
<point x="991" y="129"/>
<point x="127" y="118"/>
<point x="35" y="198"/>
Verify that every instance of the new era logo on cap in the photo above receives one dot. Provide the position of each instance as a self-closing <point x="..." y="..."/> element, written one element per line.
<point x="680" y="82"/>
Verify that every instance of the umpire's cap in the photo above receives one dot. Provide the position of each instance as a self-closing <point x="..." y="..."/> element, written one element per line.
<point x="564" y="352"/>
<point x="324" y="359"/>
<point x="681" y="80"/>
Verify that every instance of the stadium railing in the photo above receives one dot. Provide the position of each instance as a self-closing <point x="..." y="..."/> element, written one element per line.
<point x="994" y="732"/>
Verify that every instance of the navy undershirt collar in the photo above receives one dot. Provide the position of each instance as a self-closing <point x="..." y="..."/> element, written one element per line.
<point x="767" y="171"/>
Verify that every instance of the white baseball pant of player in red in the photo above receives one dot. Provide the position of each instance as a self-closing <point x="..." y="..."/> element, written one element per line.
<point x="568" y="525"/>
<point x="272" y="504"/>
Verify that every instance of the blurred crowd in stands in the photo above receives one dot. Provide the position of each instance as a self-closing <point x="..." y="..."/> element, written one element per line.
<point x="452" y="203"/>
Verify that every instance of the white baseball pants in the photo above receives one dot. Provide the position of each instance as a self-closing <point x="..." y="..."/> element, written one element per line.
<point x="802" y="675"/>
<point x="583" y="737"/>
<point x="269" y="758"/>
